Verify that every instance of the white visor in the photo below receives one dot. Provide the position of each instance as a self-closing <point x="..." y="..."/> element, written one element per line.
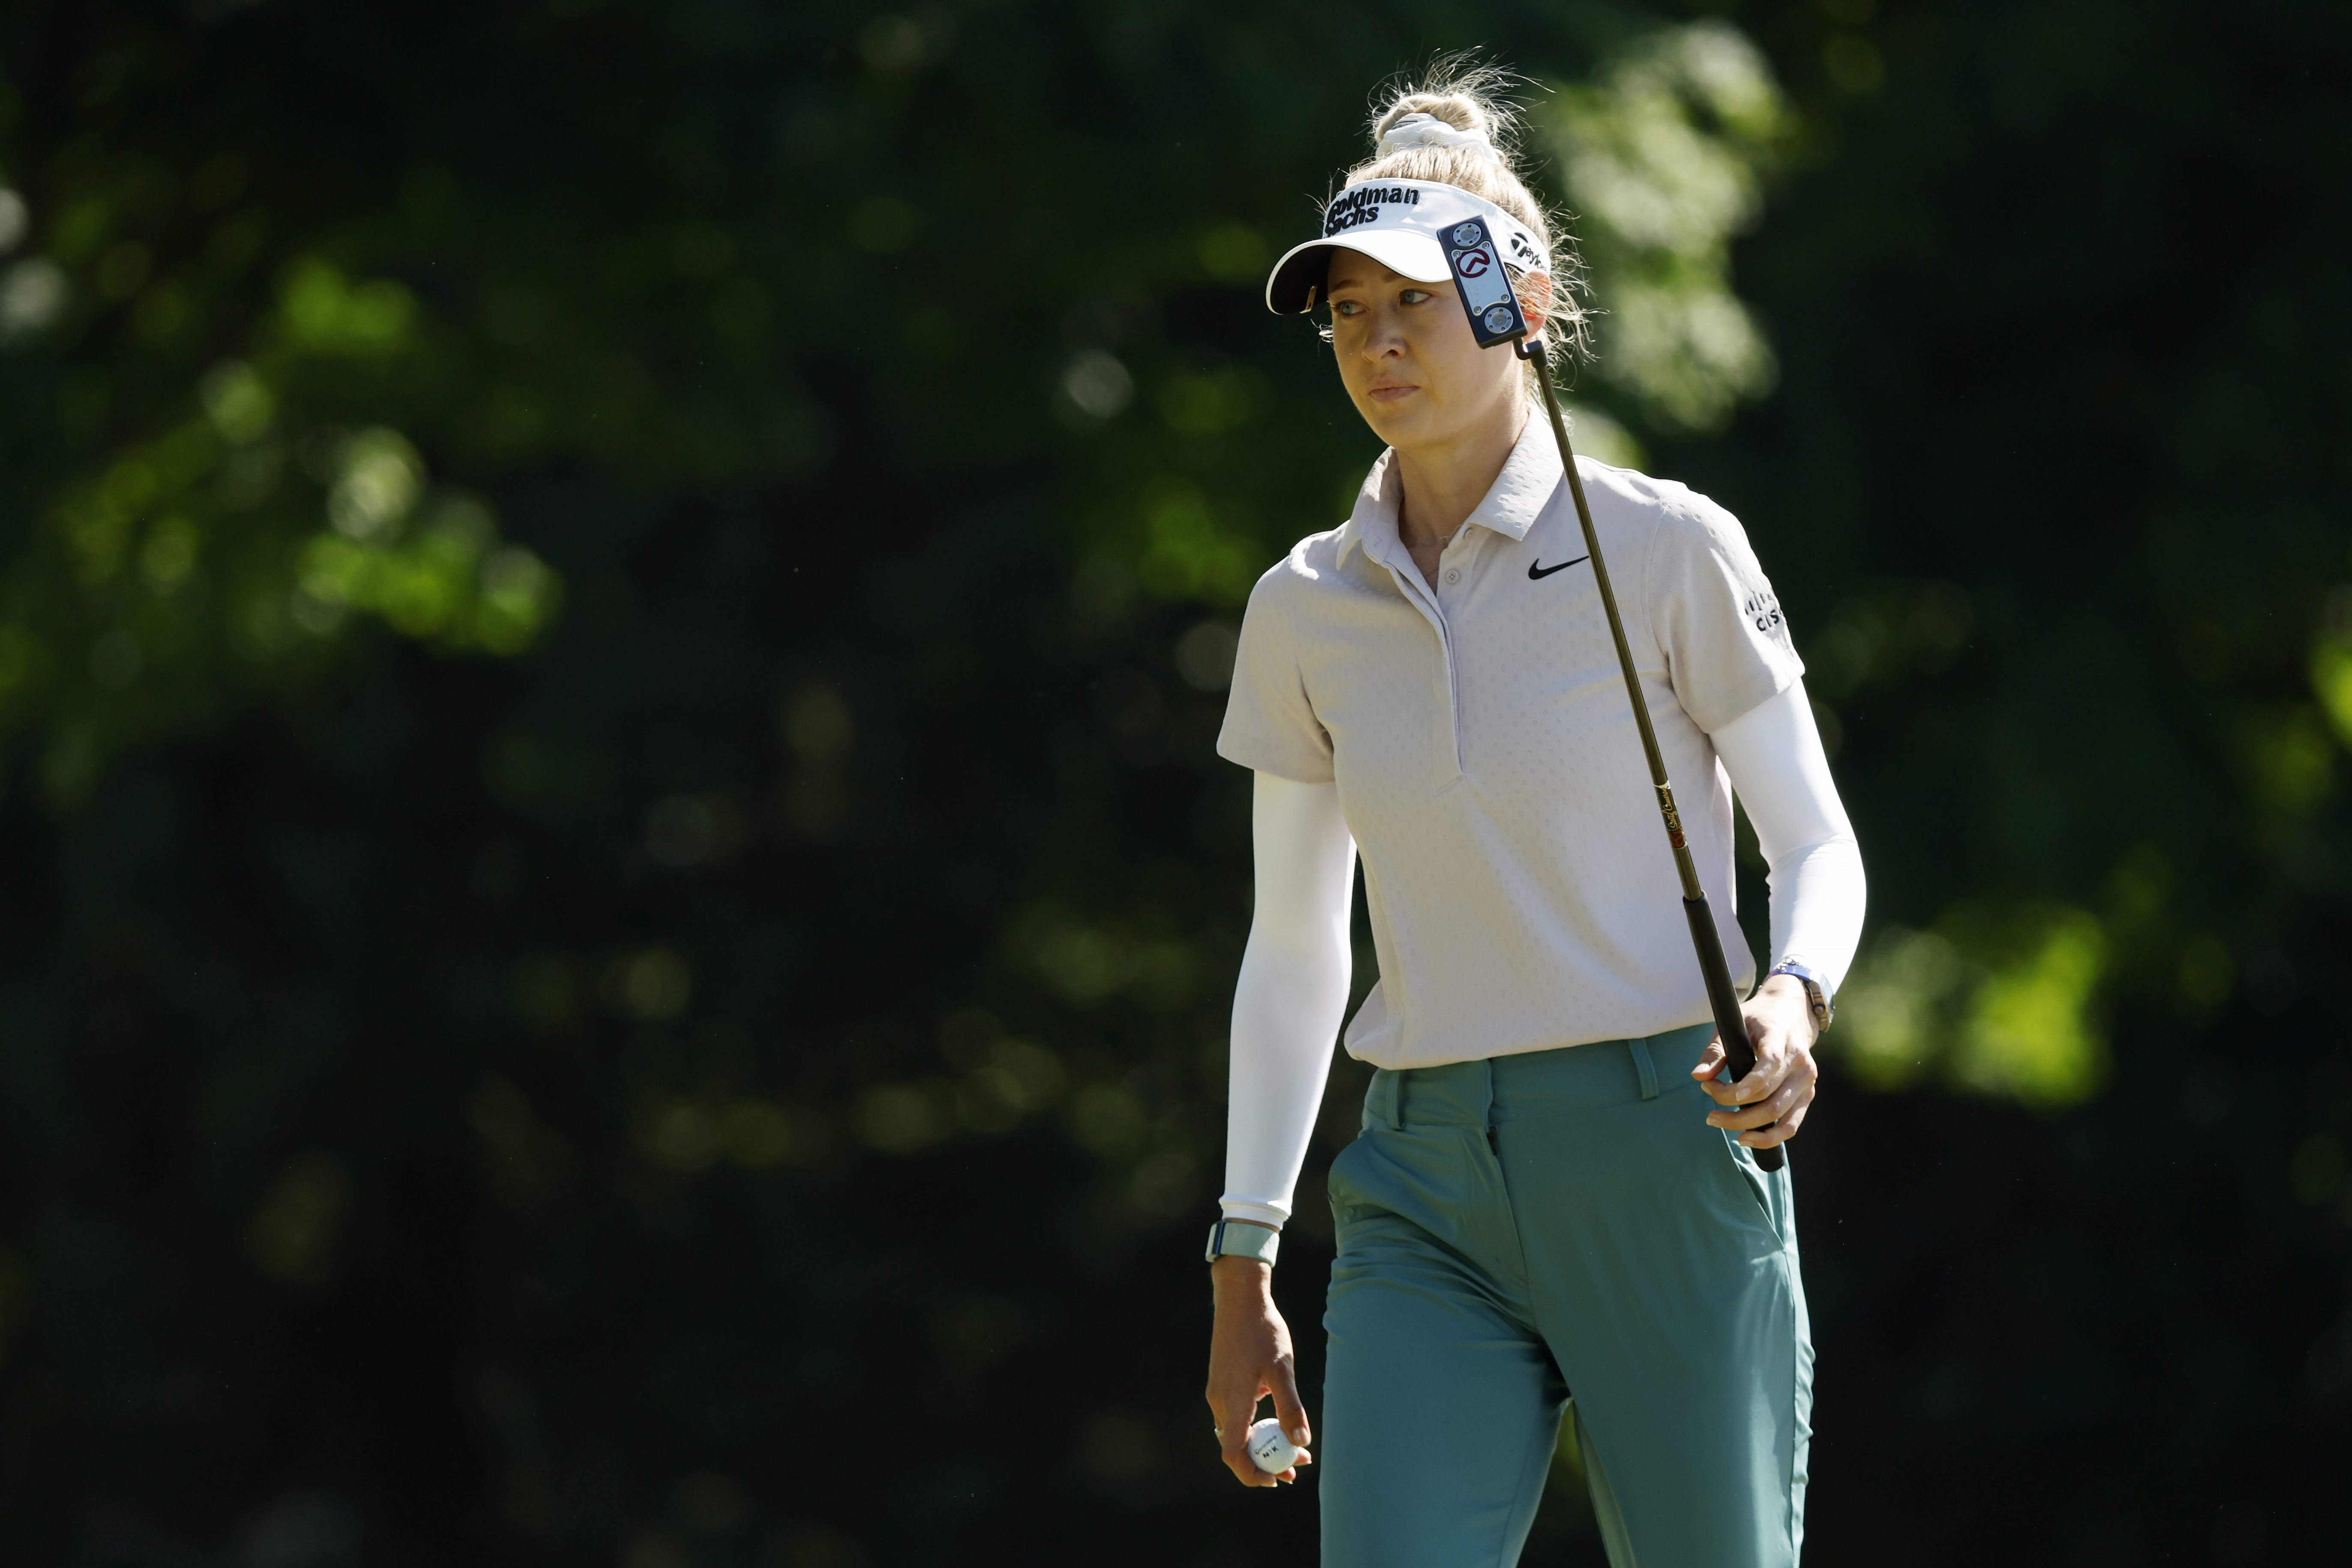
<point x="1396" y="223"/>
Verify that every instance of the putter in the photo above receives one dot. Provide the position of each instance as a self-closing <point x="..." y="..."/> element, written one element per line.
<point x="1496" y="319"/>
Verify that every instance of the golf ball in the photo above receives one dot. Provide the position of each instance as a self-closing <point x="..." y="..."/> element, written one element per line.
<point x="1269" y="1450"/>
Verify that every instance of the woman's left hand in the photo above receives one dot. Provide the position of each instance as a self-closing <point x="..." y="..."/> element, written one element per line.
<point x="1768" y="1106"/>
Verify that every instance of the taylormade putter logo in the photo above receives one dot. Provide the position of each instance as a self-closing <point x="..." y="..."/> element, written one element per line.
<point x="1363" y="205"/>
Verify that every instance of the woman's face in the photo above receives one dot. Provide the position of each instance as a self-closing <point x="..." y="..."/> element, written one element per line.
<point x="1409" y="361"/>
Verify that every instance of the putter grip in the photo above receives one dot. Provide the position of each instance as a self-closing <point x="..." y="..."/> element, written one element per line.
<point x="1723" y="1001"/>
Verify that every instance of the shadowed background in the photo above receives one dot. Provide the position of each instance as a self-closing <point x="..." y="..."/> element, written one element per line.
<point x="616" y="914"/>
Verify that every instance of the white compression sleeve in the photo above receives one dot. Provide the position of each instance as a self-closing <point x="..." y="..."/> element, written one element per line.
<point x="1774" y="756"/>
<point x="1292" y="989"/>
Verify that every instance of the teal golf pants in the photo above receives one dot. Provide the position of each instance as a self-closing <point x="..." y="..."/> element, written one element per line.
<point x="1518" y="1232"/>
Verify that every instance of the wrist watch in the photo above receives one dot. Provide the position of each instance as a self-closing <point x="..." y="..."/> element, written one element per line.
<point x="1229" y="1238"/>
<point x="1823" y="1005"/>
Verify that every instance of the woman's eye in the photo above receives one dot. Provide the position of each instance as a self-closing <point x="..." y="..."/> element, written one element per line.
<point x="1345" y="308"/>
<point x="1415" y="296"/>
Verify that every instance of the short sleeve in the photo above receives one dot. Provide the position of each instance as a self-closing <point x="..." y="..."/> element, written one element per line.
<point x="1270" y="726"/>
<point x="1717" y="621"/>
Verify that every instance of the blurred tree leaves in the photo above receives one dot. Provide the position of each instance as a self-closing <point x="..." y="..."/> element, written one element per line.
<point x="1999" y="999"/>
<point x="1661" y="158"/>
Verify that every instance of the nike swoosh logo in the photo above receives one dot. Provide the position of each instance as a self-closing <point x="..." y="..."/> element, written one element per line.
<point x="1538" y="571"/>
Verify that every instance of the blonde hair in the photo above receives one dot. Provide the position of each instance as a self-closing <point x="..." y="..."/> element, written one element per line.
<point x="1468" y="95"/>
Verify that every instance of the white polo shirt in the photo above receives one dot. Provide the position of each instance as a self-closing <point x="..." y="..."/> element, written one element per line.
<point x="1522" y="892"/>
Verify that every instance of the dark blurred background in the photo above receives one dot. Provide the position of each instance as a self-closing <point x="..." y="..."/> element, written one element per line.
<point x="616" y="914"/>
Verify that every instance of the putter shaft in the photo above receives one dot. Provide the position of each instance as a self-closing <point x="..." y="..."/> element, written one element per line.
<point x="1722" y="996"/>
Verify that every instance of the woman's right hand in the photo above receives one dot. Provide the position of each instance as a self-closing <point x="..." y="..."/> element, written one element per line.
<point x="1249" y="1358"/>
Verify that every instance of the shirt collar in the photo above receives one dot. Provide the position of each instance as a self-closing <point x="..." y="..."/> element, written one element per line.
<point x="1529" y="480"/>
<point x="1373" y="523"/>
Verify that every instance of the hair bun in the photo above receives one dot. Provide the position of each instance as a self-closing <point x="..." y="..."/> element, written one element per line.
<point x="1417" y="130"/>
<point x="1459" y="111"/>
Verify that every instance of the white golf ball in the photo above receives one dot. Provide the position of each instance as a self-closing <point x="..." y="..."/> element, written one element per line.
<point x="1269" y="1450"/>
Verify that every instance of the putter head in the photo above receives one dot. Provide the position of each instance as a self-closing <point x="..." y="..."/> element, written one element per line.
<point x="1486" y="288"/>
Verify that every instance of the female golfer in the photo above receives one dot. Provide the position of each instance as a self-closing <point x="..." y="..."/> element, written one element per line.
<point x="1553" y="1205"/>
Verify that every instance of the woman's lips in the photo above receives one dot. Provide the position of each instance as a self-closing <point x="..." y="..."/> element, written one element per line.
<point x="1390" y="393"/>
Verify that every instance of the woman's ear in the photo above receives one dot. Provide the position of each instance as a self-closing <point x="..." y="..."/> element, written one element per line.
<point x="1535" y="300"/>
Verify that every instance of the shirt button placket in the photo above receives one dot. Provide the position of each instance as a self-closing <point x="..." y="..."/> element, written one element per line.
<point x="1460" y="549"/>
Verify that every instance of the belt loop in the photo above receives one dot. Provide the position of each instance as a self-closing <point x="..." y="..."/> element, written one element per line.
<point x="1387" y="1099"/>
<point x="1642" y="1066"/>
